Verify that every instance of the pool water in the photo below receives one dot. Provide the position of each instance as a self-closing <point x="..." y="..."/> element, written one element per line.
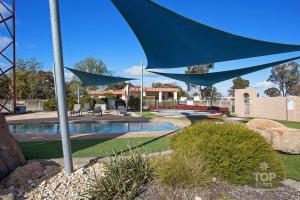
<point x="174" y="112"/>
<point x="92" y="127"/>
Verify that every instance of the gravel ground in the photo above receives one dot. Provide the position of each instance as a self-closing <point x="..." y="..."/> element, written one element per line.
<point x="220" y="191"/>
<point x="58" y="185"/>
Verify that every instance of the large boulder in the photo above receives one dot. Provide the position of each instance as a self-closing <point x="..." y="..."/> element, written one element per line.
<point x="11" y="155"/>
<point x="281" y="138"/>
<point x="22" y="175"/>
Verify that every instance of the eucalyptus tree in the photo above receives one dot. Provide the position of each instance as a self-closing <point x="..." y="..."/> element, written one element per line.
<point x="198" y="69"/>
<point x="286" y="76"/>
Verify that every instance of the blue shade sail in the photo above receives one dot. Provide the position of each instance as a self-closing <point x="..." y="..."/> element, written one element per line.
<point x="90" y="79"/>
<point x="210" y="79"/>
<point x="171" y="40"/>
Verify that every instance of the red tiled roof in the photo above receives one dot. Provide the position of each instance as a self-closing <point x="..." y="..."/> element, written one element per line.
<point x="134" y="89"/>
<point x="98" y="92"/>
<point x="137" y="89"/>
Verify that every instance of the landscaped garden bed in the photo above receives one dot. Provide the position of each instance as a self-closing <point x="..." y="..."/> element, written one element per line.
<point x="223" y="110"/>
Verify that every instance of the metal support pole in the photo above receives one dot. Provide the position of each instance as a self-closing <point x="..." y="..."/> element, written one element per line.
<point x="211" y="97"/>
<point x="60" y="85"/>
<point x="78" y="95"/>
<point x="142" y="88"/>
<point x="14" y="55"/>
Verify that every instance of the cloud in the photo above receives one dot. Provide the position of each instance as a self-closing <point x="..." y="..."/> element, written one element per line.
<point x="264" y="85"/>
<point x="4" y="41"/>
<point x="136" y="71"/>
<point x="68" y="75"/>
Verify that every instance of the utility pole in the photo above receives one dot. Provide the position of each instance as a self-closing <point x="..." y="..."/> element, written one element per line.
<point x="142" y="88"/>
<point x="60" y="85"/>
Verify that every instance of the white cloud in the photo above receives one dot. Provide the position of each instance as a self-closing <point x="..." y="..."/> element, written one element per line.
<point x="136" y="71"/>
<point x="68" y="75"/>
<point x="264" y="85"/>
<point x="4" y="41"/>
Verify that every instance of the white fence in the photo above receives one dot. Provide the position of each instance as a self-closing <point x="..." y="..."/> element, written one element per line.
<point x="35" y="105"/>
<point x="229" y="103"/>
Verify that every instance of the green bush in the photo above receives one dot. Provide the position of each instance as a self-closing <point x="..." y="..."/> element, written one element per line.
<point x="230" y="152"/>
<point x="125" y="177"/>
<point x="100" y="101"/>
<point x="149" y="98"/>
<point x="87" y="99"/>
<point x="50" y="105"/>
<point x="180" y="171"/>
<point x="134" y="102"/>
<point x="70" y="102"/>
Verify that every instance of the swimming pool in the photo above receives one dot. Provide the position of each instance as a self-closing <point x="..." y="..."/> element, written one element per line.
<point x="181" y="113"/>
<point x="92" y="127"/>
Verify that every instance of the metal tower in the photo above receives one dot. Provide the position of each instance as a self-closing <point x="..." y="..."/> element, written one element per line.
<point x="7" y="56"/>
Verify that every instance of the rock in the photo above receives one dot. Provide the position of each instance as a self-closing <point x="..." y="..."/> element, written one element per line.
<point x="11" y="155"/>
<point x="6" y="194"/>
<point x="281" y="138"/>
<point x="263" y="124"/>
<point x="22" y="175"/>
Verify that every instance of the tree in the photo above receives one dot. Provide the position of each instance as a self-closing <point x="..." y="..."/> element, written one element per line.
<point x="181" y="92"/>
<point x="286" y="76"/>
<point x="206" y="92"/>
<point x="296" y="90"/>
<point x="32" y="82"/>
<point x="45" y="85"/>
<point x="116" y="86"/>
<point x="238" y="83"/>
<point x="272" y="92"/>
<point x="91" y="65"/>
<point x="5" y="87"/>
<point x="198" y="69"/>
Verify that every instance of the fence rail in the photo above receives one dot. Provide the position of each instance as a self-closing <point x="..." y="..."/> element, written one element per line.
<point x="221" y="103"/>
<point x="37" y="104"/>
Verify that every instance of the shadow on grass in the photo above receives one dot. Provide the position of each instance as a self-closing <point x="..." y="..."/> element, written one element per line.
<point x="94" y="147"/>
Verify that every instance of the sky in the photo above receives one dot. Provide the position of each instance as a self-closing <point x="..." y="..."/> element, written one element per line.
<point x="95" y="28"/>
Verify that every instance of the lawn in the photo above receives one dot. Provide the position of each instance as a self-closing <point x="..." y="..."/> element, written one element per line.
<point x="289" y="124"/>
<point x="94" y="148"/>
<point x="292" y="163"/>
<point x="107" y="147"/>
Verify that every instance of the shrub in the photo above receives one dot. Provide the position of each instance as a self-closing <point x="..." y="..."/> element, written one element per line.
<point x="70" y="102"/>
<point x="100" y="101"/>
<point x="230" y="152"/>
<point x="134" y="102"/>
<point x="87" y="99"/>
<point x="125" y="178"/>
<point x="50" y="105"/>
<point x="180" y="171"/>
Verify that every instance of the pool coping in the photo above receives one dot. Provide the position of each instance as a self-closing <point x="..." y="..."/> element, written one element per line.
<point x="55" y="137"/>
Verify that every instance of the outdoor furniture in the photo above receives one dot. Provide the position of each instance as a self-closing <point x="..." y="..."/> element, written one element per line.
<point x="122" y="110"/>
<point x="97" y="109"/>
<point x="76" y="110"/>
<point x="104" y="108"/>
<point x="86" y="107"/>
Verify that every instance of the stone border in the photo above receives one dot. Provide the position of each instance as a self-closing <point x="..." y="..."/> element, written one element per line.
<point x="42" y="137"/>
